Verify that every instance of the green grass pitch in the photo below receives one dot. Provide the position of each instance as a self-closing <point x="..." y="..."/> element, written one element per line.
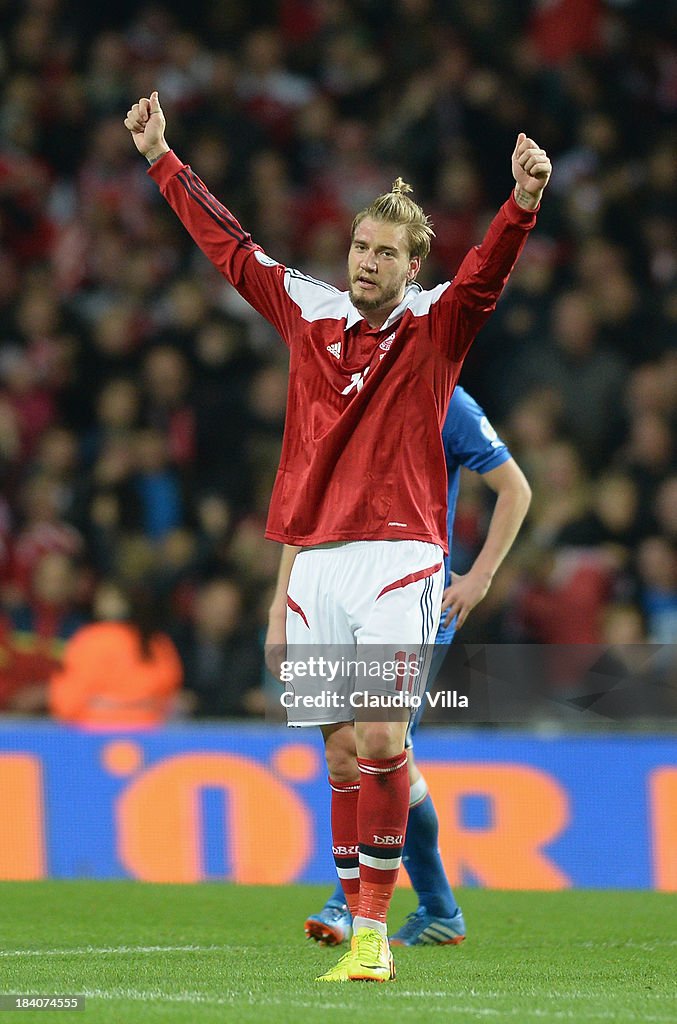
<point x="222" y="953"/>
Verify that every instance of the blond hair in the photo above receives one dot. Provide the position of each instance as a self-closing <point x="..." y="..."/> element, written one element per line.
<point x="395" y="207"/>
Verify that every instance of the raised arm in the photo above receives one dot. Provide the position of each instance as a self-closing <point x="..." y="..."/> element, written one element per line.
<point x="482" y="275"/>
<point x="513" y="496"/>
<point x="259" y="279"/>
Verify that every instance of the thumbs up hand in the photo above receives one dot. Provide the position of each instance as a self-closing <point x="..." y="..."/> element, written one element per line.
<point x="146" y="122"/>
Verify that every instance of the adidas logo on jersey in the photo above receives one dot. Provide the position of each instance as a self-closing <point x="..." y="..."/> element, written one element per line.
<point x="335" y="349"/>
<point x="387" y="342"/>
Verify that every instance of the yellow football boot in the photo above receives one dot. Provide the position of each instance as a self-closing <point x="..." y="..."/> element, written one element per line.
<point x="370" y="957"/>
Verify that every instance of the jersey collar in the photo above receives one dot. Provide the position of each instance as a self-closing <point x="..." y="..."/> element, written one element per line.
<point x="410" y="293"/>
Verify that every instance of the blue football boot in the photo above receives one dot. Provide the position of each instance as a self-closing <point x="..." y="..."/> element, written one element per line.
<point x="422" y="929"/>
<point x="332" y="926"/>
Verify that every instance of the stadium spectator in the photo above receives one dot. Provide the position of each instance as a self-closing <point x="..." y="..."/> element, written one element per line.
<point x="116" y="416"/>
<point x="120" y="672"/>
<point x="586" y="377"/>
<point x="612" y="521"/>
<point x="167" y="405"/>
<point x="223" y="672"/>
<point x="269" y="90"/>
<point x="563" y="597"/>
<point x="657" y="567"/>
<point x="43" y="529"/>
<point x="156" y="483"/>
<point x="35" y="631"/>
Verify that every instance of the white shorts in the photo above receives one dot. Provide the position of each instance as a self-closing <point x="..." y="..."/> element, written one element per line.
<point x="378" y="599"/>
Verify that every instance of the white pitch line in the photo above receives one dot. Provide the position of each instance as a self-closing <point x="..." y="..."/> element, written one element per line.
<point x="120" y="950"/>
<point x="199" y="998"/>
<point x="647" y="947"/>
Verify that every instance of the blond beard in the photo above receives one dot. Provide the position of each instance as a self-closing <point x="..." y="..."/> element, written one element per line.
<point x="365" y="305"/>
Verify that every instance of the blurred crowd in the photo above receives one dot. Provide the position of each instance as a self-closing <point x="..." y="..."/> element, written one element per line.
<point x="142" y="402"/>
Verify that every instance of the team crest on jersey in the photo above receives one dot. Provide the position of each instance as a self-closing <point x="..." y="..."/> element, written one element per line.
<point x="387" y="342"/>
<point x="335" y="349"/>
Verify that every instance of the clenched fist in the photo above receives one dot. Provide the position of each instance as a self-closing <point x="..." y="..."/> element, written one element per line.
<point x="531" y="170"/>
<point x="147" y="124"/>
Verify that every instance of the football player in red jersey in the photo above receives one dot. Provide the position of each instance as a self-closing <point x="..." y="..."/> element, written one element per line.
<point x="361" y="486"/>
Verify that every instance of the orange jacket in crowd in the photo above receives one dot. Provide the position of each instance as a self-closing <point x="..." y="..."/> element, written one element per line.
<point x="106" y="684"/>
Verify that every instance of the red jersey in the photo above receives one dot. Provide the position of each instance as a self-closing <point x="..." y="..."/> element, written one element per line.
<point x="362" y="455"/>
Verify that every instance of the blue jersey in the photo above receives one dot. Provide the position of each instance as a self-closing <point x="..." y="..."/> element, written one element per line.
<point x="469" y="440"/>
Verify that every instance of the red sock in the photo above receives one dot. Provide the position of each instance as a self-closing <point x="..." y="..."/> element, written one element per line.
<point x="344" y="799"/>
<point x="381" y="826"/>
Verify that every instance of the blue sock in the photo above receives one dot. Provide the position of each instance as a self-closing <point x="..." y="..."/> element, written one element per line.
<point x="337" y="896"/>
<point x="422" y="860"/>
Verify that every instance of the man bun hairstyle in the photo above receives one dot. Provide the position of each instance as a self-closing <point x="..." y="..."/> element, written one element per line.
<point x="401" y="186"/>
<point x="395" y="207"/>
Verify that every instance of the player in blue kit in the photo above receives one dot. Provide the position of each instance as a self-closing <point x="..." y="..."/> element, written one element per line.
<point x="470" y="441"/>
